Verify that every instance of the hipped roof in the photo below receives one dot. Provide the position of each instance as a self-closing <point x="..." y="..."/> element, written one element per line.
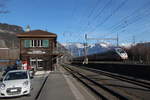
<point x="37" y="33"/>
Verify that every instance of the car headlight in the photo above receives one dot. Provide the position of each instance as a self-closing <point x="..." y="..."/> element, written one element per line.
<point x="26" y="83"/>
<point x="2" y="86"/>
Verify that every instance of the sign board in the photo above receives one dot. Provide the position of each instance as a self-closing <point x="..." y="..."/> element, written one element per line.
<point x="36" y="52"/>
<point x="24" y="65"/>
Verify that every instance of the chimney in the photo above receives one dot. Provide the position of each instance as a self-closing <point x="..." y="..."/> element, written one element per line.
<point x="28" y="28"/>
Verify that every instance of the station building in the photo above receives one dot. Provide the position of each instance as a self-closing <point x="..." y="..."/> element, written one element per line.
<point x="38" y="47"/>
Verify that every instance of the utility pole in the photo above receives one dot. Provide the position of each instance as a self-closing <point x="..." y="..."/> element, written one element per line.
<point x="86" y="39"/>
<point x="85" y="50"/>
<point x="78" y="50"/>
<point x="133" y="50"/>
<point x="133" y="40"/>
<point x="117" y="40"/>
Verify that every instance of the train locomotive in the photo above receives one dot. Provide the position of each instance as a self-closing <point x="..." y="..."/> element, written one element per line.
<point x="113" y="54"/>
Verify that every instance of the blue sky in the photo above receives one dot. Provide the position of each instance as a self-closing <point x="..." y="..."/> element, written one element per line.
<point x="71" y="19"/>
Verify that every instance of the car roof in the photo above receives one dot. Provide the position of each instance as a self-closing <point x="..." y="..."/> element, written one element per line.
<point x="18" y="71"/>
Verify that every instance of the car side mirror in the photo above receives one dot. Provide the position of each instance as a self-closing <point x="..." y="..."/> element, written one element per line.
<point x="31" y="77"/>
<point x="1" y="79"/>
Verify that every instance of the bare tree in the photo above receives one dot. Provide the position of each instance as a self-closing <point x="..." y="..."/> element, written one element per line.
<point x="3" y="7"/>
<point x="140" y="52"/>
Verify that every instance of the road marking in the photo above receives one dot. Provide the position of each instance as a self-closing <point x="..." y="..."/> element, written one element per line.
<point x="73" y="88"/>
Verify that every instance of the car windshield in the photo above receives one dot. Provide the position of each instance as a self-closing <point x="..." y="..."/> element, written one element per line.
<point x="16" y="76"/>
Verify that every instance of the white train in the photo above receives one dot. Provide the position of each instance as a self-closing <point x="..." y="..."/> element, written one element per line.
<point x="113" y="54"/>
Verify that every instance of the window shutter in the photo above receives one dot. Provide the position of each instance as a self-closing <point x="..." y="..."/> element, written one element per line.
<point x="45" y="43"/>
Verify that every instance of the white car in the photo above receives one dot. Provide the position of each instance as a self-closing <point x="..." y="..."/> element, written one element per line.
<point x="15" y="83"/>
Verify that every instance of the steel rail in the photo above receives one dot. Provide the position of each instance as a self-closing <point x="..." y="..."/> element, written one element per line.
<point x="119" y="77"/>
<point x="113" y="93"/>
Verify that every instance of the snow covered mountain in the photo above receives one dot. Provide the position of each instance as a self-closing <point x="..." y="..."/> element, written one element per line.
<point x="77" y="49"/>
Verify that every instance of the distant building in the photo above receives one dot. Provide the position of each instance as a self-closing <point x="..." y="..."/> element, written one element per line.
<point x="8" y="56"/>
<point x="37" y="48"/>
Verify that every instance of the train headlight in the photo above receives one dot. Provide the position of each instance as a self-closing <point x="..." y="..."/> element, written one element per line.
<point x="124" y="56"/>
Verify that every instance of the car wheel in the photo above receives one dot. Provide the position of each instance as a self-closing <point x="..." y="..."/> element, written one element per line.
<point x="28" y="95"/>
<point x="31" y="88"/>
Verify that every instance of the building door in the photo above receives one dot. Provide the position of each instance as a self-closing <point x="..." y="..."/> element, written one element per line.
<point x="37" y="63"/>
<point x="40" y="64"/>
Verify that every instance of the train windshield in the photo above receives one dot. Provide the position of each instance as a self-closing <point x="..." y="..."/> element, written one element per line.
<point x="120" y="50"/>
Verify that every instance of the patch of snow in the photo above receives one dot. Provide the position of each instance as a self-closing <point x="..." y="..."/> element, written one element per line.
<point x="127" y="45"/>
<point x="79" y="45"/>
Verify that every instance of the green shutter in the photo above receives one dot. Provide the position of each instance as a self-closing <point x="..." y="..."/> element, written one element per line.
<point x="30" y="43"/>
<point x="27" y="43"/>
<point x="45" y="43"/>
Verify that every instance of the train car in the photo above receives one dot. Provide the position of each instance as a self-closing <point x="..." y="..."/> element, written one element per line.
<point x="113" y="54"/>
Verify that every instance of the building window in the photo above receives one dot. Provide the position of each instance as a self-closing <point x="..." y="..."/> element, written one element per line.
<point x="36" y="43"/>
<point x="27" y="43"/>
<point x="45" y="43"/>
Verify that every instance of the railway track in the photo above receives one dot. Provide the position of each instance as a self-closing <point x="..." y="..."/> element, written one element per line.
<point x="119" y="77"/>
<point x="103" y="92"/>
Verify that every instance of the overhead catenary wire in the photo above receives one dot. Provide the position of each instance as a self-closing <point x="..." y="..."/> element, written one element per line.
<point x="110" y="15"/>
<point x="136" y="18"/>
<point x="117" y="9"/>
<point x="97" y="16"/>
<point x="89" y="14"/>
<point x="93" y="10"/>
<point x="126" y="18"/>
<point x="132" y="20"/>
<point x="89" y="20"/>
<point x="108" y="3"/>
<point x="102" y="10"/>
<point x="67" y="31"/>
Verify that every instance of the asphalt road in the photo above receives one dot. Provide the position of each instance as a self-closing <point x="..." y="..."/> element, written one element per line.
<point x="36" y="84"/>
<point x="60" y="85"/>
